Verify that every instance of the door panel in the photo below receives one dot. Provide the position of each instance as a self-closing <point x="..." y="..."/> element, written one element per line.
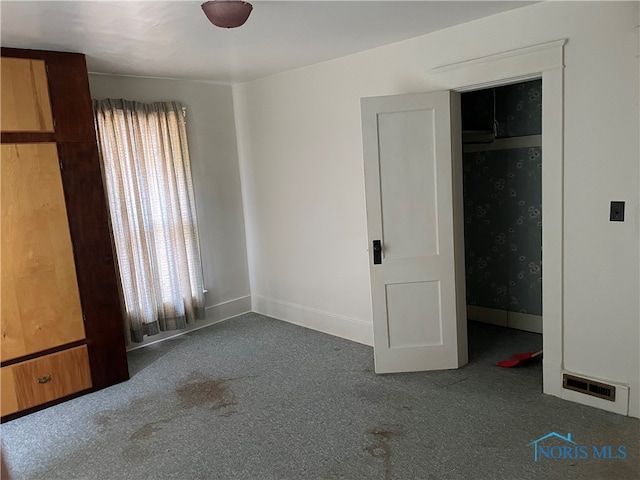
<point x="39" y="292"/>
<point x="419" y="323"/>
<point x="405" y="303"/>
<point x="407" y="178"/>
<point x="25" y="96"/>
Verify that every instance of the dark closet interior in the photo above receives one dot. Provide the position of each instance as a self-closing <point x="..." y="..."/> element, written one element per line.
<point x="502" y="165"/>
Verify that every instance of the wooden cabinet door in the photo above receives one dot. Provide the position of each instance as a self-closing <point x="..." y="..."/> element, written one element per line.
<point x="40" y="302"/>
<point x="25" y="96"/>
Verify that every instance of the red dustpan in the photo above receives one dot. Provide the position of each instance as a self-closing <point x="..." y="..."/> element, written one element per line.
<point x="518" y="359"/>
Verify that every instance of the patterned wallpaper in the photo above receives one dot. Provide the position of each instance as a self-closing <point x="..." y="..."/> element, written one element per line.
<point x="519" y="109"/>
<point x="503" y="210"/>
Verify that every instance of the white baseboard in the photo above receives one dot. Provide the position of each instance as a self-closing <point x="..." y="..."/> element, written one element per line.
<point x="525" y="321"/>
<point x="493" y="316"/>
<point x="214" y="314"/>
<point x="505" y="318"/>
<point x="226" y="310"/>
<point x="634" y="399"/>
<point x="332" y="324"/>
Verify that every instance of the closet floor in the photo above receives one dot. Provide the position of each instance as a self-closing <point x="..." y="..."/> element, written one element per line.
<point x="488" y="344"/>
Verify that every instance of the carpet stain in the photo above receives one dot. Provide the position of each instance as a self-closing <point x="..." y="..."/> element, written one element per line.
<point x="147" y="430"/>
<point x="139" y="407"/>
<point x="102" y="420"/>
<point x="201" y="391"/>
<point x="381" y="448"/>
<point x="197" y="390"/>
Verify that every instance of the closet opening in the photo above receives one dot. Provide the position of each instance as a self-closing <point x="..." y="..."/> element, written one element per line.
<point x="502" y="194"/>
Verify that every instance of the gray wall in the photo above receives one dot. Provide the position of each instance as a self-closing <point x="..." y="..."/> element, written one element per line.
<point x="214" y="164"/>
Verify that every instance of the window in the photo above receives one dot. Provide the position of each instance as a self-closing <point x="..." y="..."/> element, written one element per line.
<point x="143" y="148"/>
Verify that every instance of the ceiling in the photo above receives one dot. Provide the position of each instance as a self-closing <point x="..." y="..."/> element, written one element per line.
<point x="174" y="39"/>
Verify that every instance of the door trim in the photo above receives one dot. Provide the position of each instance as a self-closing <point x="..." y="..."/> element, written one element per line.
<point x="544" y="61"/>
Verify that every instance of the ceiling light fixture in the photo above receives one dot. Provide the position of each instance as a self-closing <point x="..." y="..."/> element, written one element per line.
<point x="227" y="13"/>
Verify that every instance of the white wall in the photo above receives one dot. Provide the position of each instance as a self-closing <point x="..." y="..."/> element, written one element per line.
<point x="216" y="177"/>
<point x="302" y="171"/>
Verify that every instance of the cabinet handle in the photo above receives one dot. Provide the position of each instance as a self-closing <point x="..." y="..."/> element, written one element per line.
<point x="45" y="379"/>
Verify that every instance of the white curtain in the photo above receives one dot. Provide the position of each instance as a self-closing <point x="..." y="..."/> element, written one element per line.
<point x="144" y="151"/>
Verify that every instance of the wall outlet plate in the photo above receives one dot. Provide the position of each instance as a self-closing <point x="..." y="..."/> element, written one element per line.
<point x="617" y="212"/>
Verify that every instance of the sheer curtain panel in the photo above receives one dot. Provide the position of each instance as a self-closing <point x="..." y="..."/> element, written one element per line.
<point x="144" y="151"/>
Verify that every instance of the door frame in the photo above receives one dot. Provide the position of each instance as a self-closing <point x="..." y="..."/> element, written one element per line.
<point x="545" y="61"/>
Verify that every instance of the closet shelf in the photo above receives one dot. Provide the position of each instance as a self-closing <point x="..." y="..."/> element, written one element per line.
<point x="508" y="143"/>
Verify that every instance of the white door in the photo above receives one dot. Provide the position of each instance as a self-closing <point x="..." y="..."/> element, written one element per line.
<point x="412" y="167"/>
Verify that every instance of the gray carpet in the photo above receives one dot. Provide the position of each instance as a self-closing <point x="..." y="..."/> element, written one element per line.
<point x="256" y="398"/>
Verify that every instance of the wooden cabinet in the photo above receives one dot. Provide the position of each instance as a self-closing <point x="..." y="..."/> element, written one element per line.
<point x="61" y="309"/>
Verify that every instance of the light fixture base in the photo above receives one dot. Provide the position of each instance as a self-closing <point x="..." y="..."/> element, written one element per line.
<point x="227" y="13"/>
